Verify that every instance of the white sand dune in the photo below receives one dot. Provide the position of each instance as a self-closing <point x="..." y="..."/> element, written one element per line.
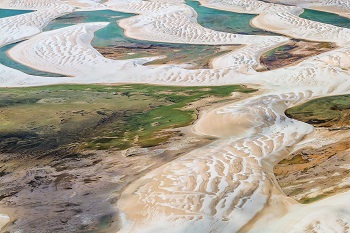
<point x="44" y="4"/>
<point x="341" y="7"/>
<point x="228" y="185"/>
<point x="249" y="6"/>
<point x="225" y="186"/>
<point x="220" y="187"/>
<point x="175" y="23"/>
<point x="31" y="5"/>
<point x="19" y="27"/>
<point x="68" y="51"/>
<point x="296" y="27"/>
<point x="285" y="19"/>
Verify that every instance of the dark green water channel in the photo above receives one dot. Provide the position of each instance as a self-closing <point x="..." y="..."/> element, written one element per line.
<point x="225" y="21"/>
<point x="325" y="17"/>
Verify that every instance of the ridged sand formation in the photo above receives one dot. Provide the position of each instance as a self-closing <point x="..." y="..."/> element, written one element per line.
<point x="291" y="25"/>
<point x="227" y="186"/>
<point x="249" y="6"/>
<point x="341" y="7"/>
<point x="19" y="27"/>
<point x="30" y="5"/>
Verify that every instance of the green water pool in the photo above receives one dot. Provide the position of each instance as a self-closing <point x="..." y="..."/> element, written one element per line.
<point x="9" y="12"/>
<point x="225" y="21"/>
<point x="325" y="17"/>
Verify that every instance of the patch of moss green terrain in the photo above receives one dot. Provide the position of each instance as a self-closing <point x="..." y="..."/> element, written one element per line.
<point x="96" y="116"/>
<point x="333" y="111"/>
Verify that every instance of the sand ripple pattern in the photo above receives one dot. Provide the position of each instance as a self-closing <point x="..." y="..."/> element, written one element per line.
<point x="19" y="27"/>
<point x="68" y="51"/>
<point x="341" y="7"/>
<point x="296" y="27"/>
<point x="221" y="187"/>
<point x="176" y="23"/>
<point x="248" y="6"/>
<point x="31" y="4"/>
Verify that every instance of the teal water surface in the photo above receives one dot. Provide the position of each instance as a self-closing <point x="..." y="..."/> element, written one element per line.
<point x="9" y="12"/>
<point x="225" y="21"/>
<point x="325" y="17"/>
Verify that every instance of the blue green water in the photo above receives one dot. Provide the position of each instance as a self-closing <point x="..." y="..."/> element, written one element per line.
<point x="325" y="17"/>
<point x="225" y="21"/>
<point x="7" y="12"/>
<point x="110" y="35"/>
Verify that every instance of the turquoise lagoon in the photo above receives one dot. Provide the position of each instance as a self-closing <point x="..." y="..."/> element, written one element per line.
<point x="9" y="12"/>
<point x="325" y="17"/>
<point x="225" y="21"/>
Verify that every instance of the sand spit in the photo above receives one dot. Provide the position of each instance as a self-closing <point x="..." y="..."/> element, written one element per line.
<point x="246" y="59"/>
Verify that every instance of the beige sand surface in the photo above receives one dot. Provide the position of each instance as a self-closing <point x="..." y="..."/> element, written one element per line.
<point x="4" y="219"/>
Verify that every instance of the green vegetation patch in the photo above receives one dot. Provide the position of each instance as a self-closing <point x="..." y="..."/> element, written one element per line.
<point x="96" y="116"/>
<point x="333" y="111"/>
<point x="310" y="200"/>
